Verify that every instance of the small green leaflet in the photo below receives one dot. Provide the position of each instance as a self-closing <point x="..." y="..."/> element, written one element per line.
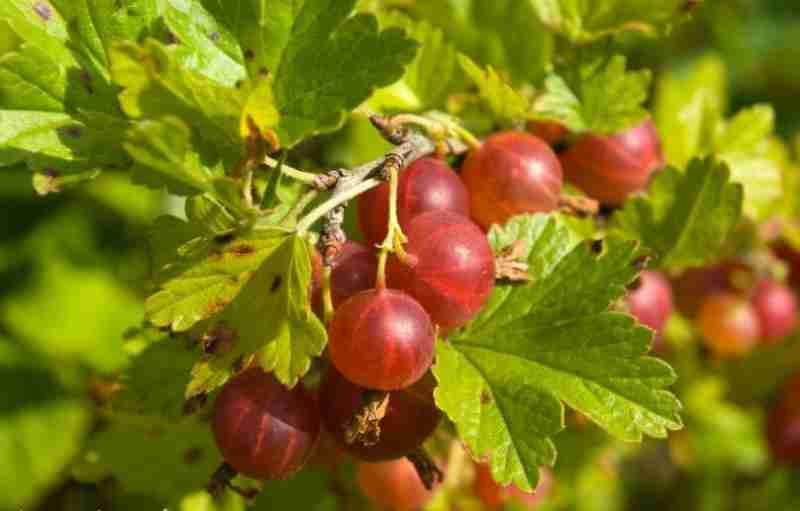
<point x="602" y="96"/>
<point x="436" y="57"/>
<point x="690" y="108"/>
<point x="332" y="63"/>
<point x="503" y="378"/>
<point x="271" y="318"/>
<point x="744" y="143"/>
<point x="684" y="218"/>
<point x="504" y="34"/>
<point x="506" y="103"/>
<point x="583" y="21"/>
<point x="689" y="104"/>
<point x="42" y="427"/>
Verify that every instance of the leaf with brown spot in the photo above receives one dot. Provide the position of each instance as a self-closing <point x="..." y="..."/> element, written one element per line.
<point x="207" y="287"/>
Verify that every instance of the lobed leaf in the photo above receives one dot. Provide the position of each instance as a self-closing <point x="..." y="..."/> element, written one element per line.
<point x="684" y="218"/>
<point x="600" y="97"/>
<point x="504" y="102"/>
<point x="209" y="279"/>
<point x="271" y="319"/>
<point x="331" y="63"/>
<point x="503" y="378"/>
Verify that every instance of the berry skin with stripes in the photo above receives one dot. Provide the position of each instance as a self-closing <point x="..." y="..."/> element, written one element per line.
<point x="263" y="429"/>
<point x="381" y="339"/>
<point x="450" y="267"/>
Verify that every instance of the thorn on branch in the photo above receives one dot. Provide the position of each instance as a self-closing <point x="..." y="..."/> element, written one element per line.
<point x="394" y="133"/>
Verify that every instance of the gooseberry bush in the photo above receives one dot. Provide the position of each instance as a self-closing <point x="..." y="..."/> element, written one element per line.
<point x="409" y="254"/>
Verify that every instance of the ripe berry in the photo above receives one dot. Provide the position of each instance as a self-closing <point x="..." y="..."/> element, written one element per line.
<point x="651" y="302"/>
<point x="776" y="307"/>
<point x="730" y="325"/>
<point x="549" y="131"/>
<point x="428" y="184"/>
<point x="493" y="496"/>
<point x="694" y="285"/>
<point x="411" y="416"/>
<point x="450" y="268"/>
<point x="381" y="339"/>
<point x="609" y="168"/>
<point x="263" y="429"/>
<point x="393" y="485"/>
<point x="509" y="174"/>
<point x="352" y="271"/>
<point x="783" y="425"/>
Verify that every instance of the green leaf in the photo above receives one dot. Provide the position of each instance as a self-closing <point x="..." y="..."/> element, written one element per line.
<point x="206" y="45"/>
<point x="163" y="157"/>
<point x="503" y="378"/>
<point x="209" y="214"/>
<point x="684" y="218"/>
<point x="209" y="280"/>
<point x="501" y="98"/>
<point x="583" y="21"/>
<point x="38" y="22"/>
<point x="157" y="85"/>
<point x="599" y="97"/>
<point x="263" y="30"/>
<point x="689" y="104"/>
<point x="171" y="241"/>
<point x="42" y="426"/>
<point x="436" y="57"/>
<point x="504" y="34"/>
<point x="744" y="144"/>
<point x="272" y="319"/>
<point x="332" y="63"/>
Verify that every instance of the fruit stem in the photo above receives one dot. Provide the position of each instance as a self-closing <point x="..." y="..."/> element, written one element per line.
<point x="467" y="136"/>
<point x="394" y="234"/>
<point x="327" y="300"/>
<point x="247" y="188"/>
<point x="351" y="183"/>
<point x="336" y="200"/>
<point x="308" y="178"/>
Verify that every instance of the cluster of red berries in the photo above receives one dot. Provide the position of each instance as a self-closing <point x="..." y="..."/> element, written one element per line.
<point x="382" y="337"/>
<point x="735" y="310"/>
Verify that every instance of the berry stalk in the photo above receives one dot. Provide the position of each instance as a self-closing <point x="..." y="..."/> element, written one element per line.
<point x="394" y="236"/>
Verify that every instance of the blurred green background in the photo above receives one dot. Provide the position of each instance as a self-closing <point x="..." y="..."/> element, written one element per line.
<point x="73" y="274"/>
